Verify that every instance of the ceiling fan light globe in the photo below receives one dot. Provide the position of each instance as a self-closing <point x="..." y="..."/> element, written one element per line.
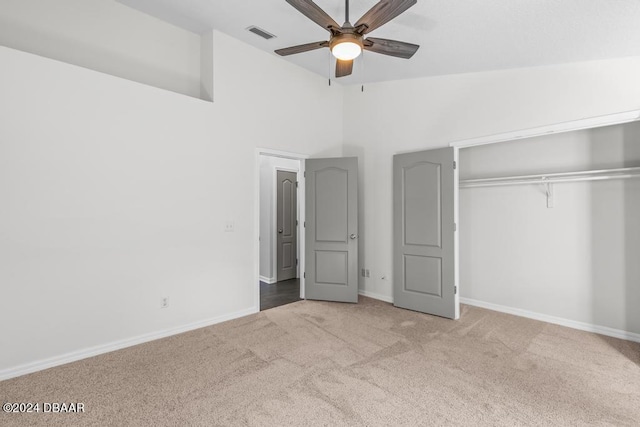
<point x="346" y="50"/>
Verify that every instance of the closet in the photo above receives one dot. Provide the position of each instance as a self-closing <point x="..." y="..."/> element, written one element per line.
<point x="549" y="227"/>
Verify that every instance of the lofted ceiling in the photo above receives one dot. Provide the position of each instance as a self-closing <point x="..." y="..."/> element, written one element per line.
<point x="455" y="36"/>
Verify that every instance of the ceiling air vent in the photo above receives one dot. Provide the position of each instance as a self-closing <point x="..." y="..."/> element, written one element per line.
<point x="262" y="33"/>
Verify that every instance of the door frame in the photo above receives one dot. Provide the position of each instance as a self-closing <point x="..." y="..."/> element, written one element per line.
<point x="570" y="126"/>
<point x="274" y="216"/>
<point x="256" y="220"/>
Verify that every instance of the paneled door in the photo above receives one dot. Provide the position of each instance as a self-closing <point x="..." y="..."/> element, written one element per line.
<point x="424" y="232"/>
<point x="331" y="228"/>
<point x="286" y="225"/>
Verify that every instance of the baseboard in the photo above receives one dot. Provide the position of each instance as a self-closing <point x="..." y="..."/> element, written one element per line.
<point x="588" y="327"/>
<point x="117" y="345"/>
<point x="73" y="356"/>
<point x="268" y="280"/>
<point x="375" y="296"/>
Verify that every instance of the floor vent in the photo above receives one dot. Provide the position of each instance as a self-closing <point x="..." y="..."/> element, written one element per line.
<point x="260" y="32"/>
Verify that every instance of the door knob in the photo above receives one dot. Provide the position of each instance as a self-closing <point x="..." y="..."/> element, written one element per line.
<point x="280" y="230"/>
<point x="353" y="236"/>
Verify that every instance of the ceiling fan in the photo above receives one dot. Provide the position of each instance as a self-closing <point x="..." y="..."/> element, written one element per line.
<point x="347" y="41"/>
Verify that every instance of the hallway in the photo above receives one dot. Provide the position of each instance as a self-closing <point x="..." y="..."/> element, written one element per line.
<point x="279" y="293"/>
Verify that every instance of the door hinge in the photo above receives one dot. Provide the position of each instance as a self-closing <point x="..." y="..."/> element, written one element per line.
<point x="304" y="274"/>
<point x="296" y="261"/>
<point x="455" y="290"/>
<point x="304" y="174"/>
<point x="296" y="184"/>
<point x="455" y="165"/>
<point x="296" y="222"/>
<point x="455" y="227"/>
<point x="304" y="224"/>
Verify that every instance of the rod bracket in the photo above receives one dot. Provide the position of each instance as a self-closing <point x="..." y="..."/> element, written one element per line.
<point x="549" y="192"/>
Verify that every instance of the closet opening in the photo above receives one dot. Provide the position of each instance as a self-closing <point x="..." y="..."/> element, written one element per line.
<point x="549" y="228"/>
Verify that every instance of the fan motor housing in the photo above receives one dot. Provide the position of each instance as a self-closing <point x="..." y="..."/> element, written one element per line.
<point x="345" y="37"/>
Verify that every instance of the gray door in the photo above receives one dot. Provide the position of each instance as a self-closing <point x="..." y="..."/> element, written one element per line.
<point x="331" y="256"/>
<point x="286" y="223"/>
<point x="424" y="236"/>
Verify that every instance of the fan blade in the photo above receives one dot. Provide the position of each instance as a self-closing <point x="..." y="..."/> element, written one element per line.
<point x="343" y="68"/>
<point x="315" y="13"/>
<point x="382" y="13"/>
<point x="301" y="48"/>
<point x="391" y="47"/>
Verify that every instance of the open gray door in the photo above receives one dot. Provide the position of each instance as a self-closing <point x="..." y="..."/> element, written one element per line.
<point x="331" y="226"/>
<point x="424" y="227"/>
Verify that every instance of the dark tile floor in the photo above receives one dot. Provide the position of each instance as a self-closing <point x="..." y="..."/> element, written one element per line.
<point x="279" y="293"/>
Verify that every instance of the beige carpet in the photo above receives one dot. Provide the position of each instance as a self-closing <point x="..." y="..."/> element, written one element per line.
<point x="317" y="363"/>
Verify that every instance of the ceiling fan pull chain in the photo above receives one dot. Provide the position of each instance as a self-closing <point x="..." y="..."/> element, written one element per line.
<point x="363" y="75"/>
<point x="329" y="68"/>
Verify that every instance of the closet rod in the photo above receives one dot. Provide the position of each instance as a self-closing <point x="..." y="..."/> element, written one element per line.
<point x="593" y="175"/>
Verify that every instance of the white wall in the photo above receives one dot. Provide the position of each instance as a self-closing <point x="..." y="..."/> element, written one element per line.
<point x="206" y="66"/>
<point x="106" y="36"/>
<point x="268" y="168"/>
<point x="577" y="260"/>
<point x="115" y="194"/>
<point x="393" y="117"/>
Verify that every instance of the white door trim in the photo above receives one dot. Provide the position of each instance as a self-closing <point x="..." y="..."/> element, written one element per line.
<point x="256" y="217"/>
<point x="456" y="220"/>
<point x="586" y="123"/>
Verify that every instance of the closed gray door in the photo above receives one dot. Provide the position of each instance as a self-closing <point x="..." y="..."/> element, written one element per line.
<point x="286" y="225"/>
<point x="331" y="256"/>
<point x="424" y="236"/>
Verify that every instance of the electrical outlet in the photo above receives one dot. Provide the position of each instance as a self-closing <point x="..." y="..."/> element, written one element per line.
<point x="362" y="272"/>
<point x="367" y="273"/>
<point x="164" y="302"/>
<point x="229" y="227"/>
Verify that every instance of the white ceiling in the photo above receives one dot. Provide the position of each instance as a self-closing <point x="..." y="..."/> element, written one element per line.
<point x="455" y="36"/>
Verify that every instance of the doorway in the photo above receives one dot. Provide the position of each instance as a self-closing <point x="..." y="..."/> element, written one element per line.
<point x="281" y="200"/>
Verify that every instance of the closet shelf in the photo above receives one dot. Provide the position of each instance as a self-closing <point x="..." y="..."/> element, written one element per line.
<point x="552" y="178"/>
